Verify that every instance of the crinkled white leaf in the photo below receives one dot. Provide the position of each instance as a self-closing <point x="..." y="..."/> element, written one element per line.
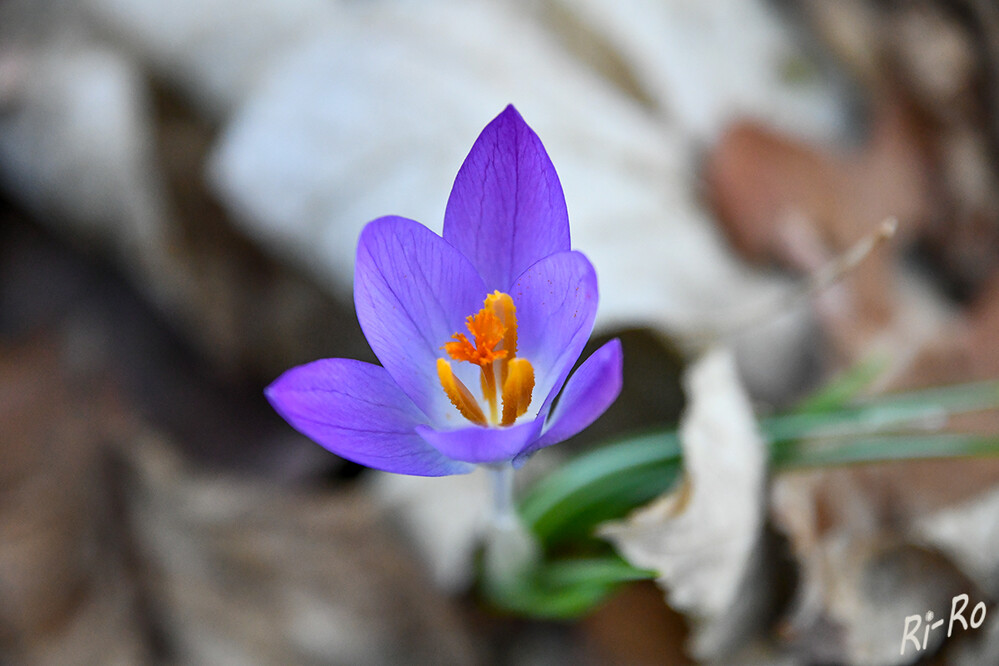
<point x="701" y="538"/>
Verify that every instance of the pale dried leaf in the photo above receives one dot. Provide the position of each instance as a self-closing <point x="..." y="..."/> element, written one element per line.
<point x="215" y="49"/>
<point x="75" y="146"/>
<point x="703" y="538"/>
<point x="707" y="63"/>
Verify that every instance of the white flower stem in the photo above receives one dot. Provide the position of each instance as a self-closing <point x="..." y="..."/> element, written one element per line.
<point x="510" y="549"/>
<point x="503" y="512"/>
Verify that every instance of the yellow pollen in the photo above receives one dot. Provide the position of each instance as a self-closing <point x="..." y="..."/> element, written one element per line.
<point x="517" y="390"/>
<point x="502" y="305"/>
<point x="459" y="394"/>
<point x="493" y="348"/>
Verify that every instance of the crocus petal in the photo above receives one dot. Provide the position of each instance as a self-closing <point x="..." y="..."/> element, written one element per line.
<point x="587" y="395"/>
<point x="556" y="301"/>
<point x="412" y="291"/>
<point x="357" y="411"/>
<point x="483" y="445"/>
<point x="506" y="209"/>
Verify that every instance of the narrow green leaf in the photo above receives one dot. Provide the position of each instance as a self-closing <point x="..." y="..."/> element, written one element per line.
<point x="844" y="388"/>
<point x="923" y="410"/>
<point x="882" y="448"/>
<point x="612" y="497"/>
<point x="597" y="477"/>
<point x="958" y="398"/>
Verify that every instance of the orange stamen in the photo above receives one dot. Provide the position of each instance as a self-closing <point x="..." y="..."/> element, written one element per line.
<point x="487" y="378"/>
<point x="517" y="390"/>
<point x="502" y="305"/>
<point x="493" y="348"/>
<point x="459" y="394"/>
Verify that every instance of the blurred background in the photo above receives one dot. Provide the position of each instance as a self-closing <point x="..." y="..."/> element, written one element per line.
<point x="181" y="189"/>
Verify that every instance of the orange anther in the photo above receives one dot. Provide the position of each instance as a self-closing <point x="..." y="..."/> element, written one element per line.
<point x="517" y="390"/>
<point x="459" y="394"/>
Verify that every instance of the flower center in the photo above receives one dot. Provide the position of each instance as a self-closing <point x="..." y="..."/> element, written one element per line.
<point x="493" y="348"/>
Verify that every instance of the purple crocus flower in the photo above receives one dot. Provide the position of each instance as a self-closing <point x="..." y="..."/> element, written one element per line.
<point x="476" y="331"/>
